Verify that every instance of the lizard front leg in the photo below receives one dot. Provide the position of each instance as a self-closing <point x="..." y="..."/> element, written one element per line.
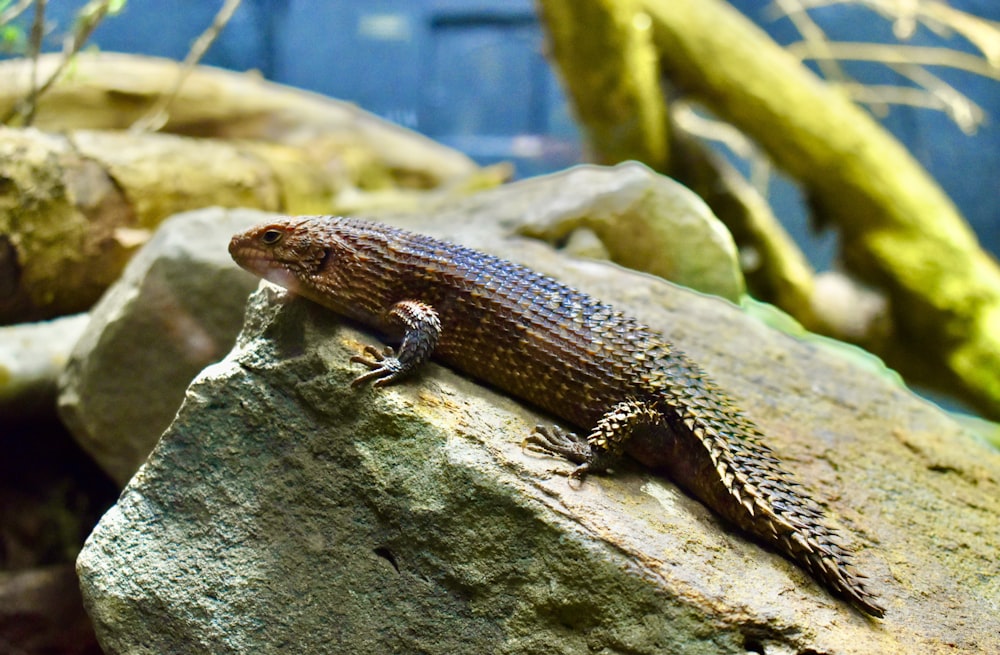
<point x="605" y="443"/>
<point x="421" y="329"/>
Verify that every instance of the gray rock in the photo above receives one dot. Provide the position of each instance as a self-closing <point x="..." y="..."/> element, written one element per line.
<point x="177" y="307"/>
<point x="285" y="512"/>
<point x="32" y="356"/>
<point x="643" y="220"/>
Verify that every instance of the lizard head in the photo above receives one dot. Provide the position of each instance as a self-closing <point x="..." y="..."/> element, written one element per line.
<point x="284" y="252"/>
<point x="332" y="260"/>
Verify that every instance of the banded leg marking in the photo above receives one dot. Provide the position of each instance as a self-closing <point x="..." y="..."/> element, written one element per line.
<point x="605" y="443"/>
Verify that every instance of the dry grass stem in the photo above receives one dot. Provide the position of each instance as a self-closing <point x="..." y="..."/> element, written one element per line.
<point x="157" y="115"/>
<point x="14" y="11"/>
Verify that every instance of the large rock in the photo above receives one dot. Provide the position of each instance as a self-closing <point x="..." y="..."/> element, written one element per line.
<point x="284" y="511"/>
<point x="177" y="308"/>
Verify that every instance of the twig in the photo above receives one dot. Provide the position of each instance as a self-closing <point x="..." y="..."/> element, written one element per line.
<point x="734" y="140"/>
<point x="14" y="12"/>
<point x="882" y="94"/>
<point x="815" y="38"/>
<point x="960" y="108"/>
<point x="900" y="54"/>
<point x="91" y="16"/>
<point x="909" y="61"/>
<point x="157" y="116"/>
<point x="983" y="34"/>
<point x="711" y="129"/>
<point x="933" y="14"/>
<point x="34" y="50"/>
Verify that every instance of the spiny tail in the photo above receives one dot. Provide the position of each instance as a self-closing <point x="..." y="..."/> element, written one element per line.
<point x="764" y="499"/>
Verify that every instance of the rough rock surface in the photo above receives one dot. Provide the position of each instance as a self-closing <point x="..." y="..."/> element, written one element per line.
<point x="177" y="308"/>
<point x="284" y="511"/>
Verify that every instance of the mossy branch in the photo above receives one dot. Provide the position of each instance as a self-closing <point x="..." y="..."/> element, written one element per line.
<point x="605" y="50"/>
<point x="899" y="231"/>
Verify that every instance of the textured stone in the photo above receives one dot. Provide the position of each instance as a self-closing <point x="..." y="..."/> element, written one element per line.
<point x="283" y="511"/>
<point x="177" y="307"/>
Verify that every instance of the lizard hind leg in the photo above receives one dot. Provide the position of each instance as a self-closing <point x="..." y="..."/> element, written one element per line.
<point x="605" y="443"/>
<point x="384" y="366"/>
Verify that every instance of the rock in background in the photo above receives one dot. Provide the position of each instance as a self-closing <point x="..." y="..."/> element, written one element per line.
<point x="85" y="190"/>
<point x="32" y="356"/>
<point x="177" y="308"/>
<point x="641" y="220"/>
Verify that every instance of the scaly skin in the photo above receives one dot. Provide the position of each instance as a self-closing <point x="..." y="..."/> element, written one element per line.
<point x="563" y="351"/>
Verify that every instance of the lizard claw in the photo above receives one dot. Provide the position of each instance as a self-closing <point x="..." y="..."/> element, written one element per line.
<point x="574" y="476"/>
<point x="385" y="366"/>
<point x="553" y="440"/>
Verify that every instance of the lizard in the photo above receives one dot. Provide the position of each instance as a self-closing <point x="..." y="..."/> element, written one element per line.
<point x="567" y="353"/>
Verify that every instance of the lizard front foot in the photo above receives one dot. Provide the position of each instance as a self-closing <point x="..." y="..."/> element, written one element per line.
<point x="385" y="366"/>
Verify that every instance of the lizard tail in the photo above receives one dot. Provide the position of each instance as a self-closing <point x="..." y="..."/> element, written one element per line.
<point x="744" y="481"/>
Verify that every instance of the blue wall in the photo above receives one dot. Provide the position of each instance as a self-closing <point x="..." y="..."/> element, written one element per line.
<point x="470" y="73"/>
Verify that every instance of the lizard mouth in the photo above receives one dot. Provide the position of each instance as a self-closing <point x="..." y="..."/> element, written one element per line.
<point x="280" y="276"/>
<point x="249" y="257"/>
<point x="258" y="261"/>
<point x="267" y="269"/>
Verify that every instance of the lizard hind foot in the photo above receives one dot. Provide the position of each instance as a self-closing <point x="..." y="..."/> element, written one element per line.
<point x="384" y="366"/>
<point x="554" y="440"/>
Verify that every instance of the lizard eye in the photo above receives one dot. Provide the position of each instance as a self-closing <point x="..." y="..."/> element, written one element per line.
<point x="271" y="237"/>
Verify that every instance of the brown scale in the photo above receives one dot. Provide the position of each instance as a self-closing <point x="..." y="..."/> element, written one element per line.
<point x="563" y="351"/>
